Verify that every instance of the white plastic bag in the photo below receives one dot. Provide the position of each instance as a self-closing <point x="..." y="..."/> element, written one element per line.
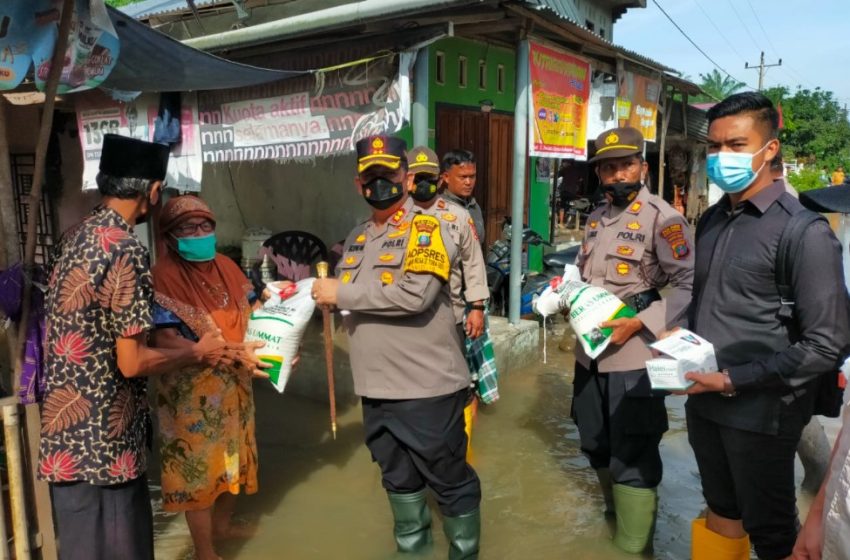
<point x="281" y="324"/>
<point x="588" y="307"/>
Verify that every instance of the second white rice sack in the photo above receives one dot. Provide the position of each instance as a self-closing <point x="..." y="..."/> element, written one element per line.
<point x="588" y="307"/>
<point x="280" y="323"/>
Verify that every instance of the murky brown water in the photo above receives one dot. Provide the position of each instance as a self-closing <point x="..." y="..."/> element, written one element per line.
<point x="322" y="499"/>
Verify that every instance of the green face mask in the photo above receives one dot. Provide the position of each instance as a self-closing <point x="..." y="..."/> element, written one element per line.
<point x="197" y="249"/>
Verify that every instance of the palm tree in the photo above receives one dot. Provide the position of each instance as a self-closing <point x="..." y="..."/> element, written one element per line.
<point x="718" y="86"/>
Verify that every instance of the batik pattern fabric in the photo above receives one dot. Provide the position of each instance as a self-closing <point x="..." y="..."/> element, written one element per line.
<point x="206" y="419"/>
<point x="95" y="421"/>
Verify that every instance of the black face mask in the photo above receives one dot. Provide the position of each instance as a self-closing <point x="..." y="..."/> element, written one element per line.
<point x="425" y="188"/>
<point x="622" y="193"/>
<point x="382" y="193"/>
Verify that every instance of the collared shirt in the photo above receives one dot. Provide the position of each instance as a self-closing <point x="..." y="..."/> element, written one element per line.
<point x="95" y="420"/>
<point x="468" y="280"/>
<point x="471" y="206"/>
<point x="628" y="251"/>
<point x="403" y="340"/>
<point x="736" y="303"/>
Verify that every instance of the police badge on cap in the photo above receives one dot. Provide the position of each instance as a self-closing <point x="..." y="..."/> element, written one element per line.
<point x="131" y="158"/>
<point x="618" y="142"/>
<point x="387" y="151"/>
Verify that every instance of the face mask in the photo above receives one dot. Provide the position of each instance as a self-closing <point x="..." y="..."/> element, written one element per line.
<point x="197" y="249"/>
<point x="382" y="193"/>
<point x="732" y="171"/>
<point x="622" y="193"/>
<point x="425" y="188"/>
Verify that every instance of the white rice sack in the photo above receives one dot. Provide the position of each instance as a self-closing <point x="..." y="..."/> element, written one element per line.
<point x="588" y="307"/>
<point x="281" y="324"/>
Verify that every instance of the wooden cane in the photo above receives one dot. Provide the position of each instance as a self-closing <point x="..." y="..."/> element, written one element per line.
<point x="322" y="272"/>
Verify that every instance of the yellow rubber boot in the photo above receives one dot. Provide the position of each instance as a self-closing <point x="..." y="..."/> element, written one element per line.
<point x="708" y="545"/>
<point x="469" y="414"/>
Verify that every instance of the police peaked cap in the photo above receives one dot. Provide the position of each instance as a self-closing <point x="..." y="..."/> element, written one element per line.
<point x="387" y="151"/>
<point x="618" y="142"/>
<point x="126" y="157"/>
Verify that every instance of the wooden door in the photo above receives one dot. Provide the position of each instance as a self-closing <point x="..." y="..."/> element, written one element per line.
<point x="500" y="171"/>
<point x="490" y="137"/>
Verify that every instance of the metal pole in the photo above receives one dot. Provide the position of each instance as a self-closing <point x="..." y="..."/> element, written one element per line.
<point x="15" y="467"/>
<point x="518" y="191"/>
<point x="420" y="98"/>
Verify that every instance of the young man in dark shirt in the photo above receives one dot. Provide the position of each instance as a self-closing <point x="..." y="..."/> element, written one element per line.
<point x="744" y="422"/>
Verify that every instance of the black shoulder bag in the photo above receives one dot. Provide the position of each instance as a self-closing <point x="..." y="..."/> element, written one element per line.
<point x="829" y="393"/>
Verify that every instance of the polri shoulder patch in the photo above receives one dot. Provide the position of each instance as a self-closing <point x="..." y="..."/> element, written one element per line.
<point x="674" y="235"/>
<point x="426" y="251"/>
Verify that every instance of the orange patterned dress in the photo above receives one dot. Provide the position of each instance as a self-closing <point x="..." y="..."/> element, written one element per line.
<point x="206" y="420"/>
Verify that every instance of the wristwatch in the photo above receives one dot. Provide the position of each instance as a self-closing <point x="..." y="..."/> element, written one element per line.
<point x="728" y="388"/>
<point x="478" y="306"/>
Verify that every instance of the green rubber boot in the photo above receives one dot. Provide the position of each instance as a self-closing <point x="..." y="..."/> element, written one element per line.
<point x="607" y="487"/>
<point x="463" y="533"/>
<point x="412" y="527"/>
<point x="635" y="510"/>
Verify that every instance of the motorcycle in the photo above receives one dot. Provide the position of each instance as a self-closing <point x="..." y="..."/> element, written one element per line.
<point x="498" y="261"/>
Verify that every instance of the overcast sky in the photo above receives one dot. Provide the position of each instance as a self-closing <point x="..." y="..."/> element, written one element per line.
<point x="812" y="38"/>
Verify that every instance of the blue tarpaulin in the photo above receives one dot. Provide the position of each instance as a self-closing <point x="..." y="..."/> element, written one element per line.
<point x="153" y="61"/>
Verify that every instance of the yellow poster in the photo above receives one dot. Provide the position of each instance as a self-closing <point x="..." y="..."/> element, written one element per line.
<point x="558" y="103"/>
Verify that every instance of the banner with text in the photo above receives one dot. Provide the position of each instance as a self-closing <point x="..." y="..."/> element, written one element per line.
<point x="97" y="115"/>
<point x="305" y="118"/>
<point x="558" y="101"/>
<point x="637" y="103"/>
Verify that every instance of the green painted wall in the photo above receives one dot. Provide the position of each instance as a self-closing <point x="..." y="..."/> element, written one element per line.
<point x="450" y="92"/>
<point x="539" y="213"/>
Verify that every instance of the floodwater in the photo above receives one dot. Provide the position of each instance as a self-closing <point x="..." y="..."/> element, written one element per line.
<point x="322" y="499"/>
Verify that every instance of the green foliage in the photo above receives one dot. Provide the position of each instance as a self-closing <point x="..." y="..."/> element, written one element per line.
<point x="816" y="130"/>
<point x="806" y="179"/>
<point x="717" y="86"/>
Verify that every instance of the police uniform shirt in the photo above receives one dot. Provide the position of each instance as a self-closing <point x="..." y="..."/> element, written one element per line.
<point x="468" y="281"/>
<point x="472" y="207"/>
<point x="401" y="323"/>
<point x="627" y="251"/>
<point x="736" y="304"/>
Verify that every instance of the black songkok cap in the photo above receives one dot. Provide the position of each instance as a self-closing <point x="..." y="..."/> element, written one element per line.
<point x="137" y="159"/>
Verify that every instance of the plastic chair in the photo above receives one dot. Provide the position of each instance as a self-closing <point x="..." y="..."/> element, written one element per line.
<point x="295" y="253"/>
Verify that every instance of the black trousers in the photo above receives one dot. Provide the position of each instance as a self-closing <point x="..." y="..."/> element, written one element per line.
<point x="750" y="476"/>
<point x="419" y="442"/>
<point x="103" y="522"/>
<point x="620" y="422"/>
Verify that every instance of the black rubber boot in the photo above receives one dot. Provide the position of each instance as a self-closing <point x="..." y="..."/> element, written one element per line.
<point x="412" y="527"/>
<point x="463" y="533"/>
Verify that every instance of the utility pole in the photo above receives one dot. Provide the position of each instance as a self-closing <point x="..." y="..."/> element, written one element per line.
<point x="761" y="68"/>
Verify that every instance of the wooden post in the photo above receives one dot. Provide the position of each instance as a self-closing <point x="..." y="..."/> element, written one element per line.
<point x="15" y="467"/>
<point x="51" y="86"/>
<point x="10" y="251"/>
<point x="45" y="537"/>
<point x="10" y="413"/>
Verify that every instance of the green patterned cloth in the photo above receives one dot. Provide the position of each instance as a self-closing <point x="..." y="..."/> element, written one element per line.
<point x="481" y="360"/>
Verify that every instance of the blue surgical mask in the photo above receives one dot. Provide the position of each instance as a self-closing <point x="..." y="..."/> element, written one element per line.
<point x="197" y="249"/>
<point x="732" y="171"/>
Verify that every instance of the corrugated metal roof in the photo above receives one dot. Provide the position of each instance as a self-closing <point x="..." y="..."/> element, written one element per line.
<point x="564" y="8"/>
<point x="557" y="7"/>
<point x="696" y="119"/>
<point x="149" y="8"/>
